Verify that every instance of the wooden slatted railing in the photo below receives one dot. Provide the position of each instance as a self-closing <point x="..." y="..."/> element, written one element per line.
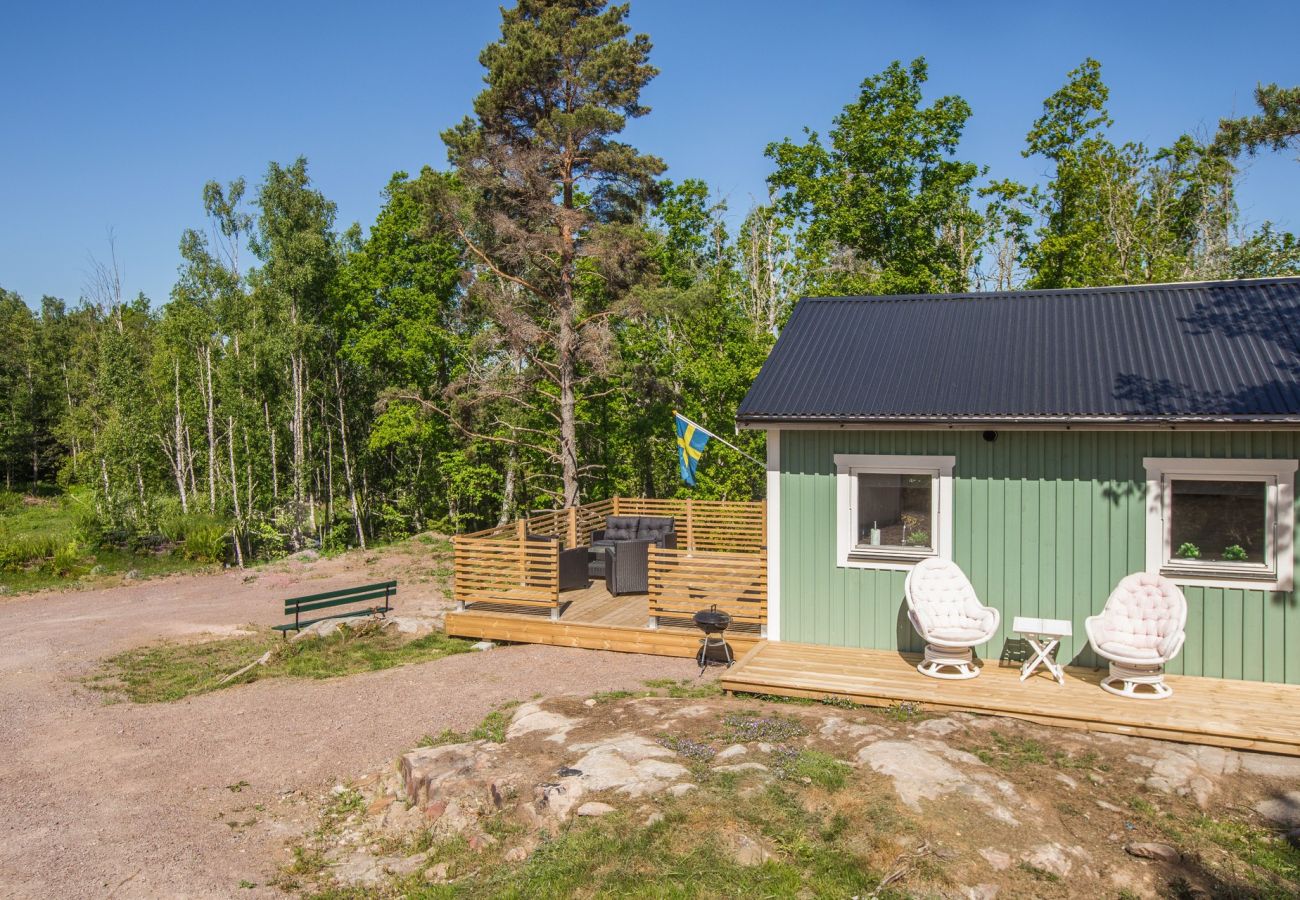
<point x="728" y="526"/>
<point x="505" y="567"/>
<point x="721" y="556"/>
<point x="682" y="583"/>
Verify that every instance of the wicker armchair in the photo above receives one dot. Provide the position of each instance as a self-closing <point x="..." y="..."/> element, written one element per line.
<point x="626" y="567"/>
<point x="1139" y="630"/>
<point x="946" y="613"/>
<point x="574" y="574"/>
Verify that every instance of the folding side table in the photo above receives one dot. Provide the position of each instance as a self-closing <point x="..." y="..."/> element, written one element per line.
<point x="1044" y="635"/>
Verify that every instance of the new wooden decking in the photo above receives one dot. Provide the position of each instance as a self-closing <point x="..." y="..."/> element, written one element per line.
<point x="1218" y="712"/>
<point x="593" y="620"/>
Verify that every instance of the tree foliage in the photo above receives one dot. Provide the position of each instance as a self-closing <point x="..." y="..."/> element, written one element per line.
<point x="884" y="204"/>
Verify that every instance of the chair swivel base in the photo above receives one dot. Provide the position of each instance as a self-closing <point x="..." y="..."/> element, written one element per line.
<point x="1129" y="680"/>
<point x="938" y="658"/>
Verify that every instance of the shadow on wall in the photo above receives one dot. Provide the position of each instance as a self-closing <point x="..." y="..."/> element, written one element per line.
<point x="906" y="638"/>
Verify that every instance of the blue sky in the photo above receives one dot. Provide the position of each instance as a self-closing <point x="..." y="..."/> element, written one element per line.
<point x="116" y="114"/>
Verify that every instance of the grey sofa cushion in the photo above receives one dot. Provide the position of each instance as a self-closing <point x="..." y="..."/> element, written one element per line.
<point x="621" y="528"/>
<point x="652" y="528"/>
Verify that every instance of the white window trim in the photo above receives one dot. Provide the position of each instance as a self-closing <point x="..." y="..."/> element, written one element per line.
<point x="1276" y="574"/>
<point x="848" y="465"/>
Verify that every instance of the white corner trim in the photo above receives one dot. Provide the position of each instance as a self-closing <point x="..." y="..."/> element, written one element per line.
<point x="1278" y="573"/>
<point x="846" y="464"/>
<point x="774" y="534"/>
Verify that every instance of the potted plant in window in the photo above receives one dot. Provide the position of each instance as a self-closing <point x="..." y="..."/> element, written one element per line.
<point x="911" y="522"/>
<point x="1188" y="550"/>
<point x="1235" y="553"/>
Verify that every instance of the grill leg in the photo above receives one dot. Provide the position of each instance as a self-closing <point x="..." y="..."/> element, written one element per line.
<point x="707" y="643"/>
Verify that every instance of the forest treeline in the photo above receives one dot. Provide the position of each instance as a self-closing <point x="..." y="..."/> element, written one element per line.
<point x="515" y="327"/>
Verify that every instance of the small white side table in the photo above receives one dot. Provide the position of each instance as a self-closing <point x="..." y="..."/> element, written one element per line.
<point x="1044" y="635"/>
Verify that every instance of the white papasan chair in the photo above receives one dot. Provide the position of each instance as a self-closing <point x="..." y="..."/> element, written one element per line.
<point x="944" y="610"/>
<point x="1139" y="630"/>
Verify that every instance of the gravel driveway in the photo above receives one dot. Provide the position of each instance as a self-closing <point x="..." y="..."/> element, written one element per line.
<point x="198" y="798"/>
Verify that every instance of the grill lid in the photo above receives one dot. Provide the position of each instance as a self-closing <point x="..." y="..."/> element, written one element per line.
<point x="711" y="619"/>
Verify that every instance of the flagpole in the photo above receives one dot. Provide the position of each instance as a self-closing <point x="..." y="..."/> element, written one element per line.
<point x="723" y="440"/>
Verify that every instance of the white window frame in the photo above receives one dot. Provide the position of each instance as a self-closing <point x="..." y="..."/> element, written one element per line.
<point x="847" y="468"/>
<point x="1276" y="573"/>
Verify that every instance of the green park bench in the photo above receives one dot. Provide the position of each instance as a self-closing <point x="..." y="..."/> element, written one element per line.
<point x="296" y="606"/>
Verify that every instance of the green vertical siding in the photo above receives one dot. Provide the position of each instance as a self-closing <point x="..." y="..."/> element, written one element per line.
<point x="1045" y="523"/>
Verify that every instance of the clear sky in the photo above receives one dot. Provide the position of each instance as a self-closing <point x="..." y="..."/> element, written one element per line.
<point x="115" y="114"/>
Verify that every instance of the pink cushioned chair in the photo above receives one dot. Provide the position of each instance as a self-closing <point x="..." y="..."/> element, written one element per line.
<point x="1139" y="630"/>
<point x="943" y="608"/>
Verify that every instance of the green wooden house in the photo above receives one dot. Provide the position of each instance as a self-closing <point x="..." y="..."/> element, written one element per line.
<point x="1048" y="442"/>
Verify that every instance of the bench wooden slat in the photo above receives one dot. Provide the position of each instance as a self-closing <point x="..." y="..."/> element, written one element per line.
<point x="296" y="606"/>
<point x="341" y="601"/>
<point x="297" y="602"/>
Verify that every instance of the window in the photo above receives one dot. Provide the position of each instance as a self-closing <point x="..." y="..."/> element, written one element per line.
<point x="893" y="510"/>
<point x="1221" y="522"/>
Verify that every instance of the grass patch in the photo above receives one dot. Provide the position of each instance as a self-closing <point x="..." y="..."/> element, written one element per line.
<point x="492" y="728"/>
<point x="811" y="766"/>
<point x="1272" y="863"/>
<point x="1243" y="858"/>
<point x="1039" y="873"/>
<point x="1012" y="752"/>
<point x="685" y="689"/>
<point x="693" y="750"/>
<point x="903" y="711"/>
<point x="165" y="672"/>
<point x="685" y="855"/>
<point x="610" y="696"/>
<point x="740" y="728"/>
<point x="44" y="545"/>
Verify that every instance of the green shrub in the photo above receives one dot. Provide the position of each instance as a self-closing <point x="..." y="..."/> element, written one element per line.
<point x="19" y="550"/>
<point x="1188" y="550"/>
<point x="197" y="536"/>
<point x="65" y="560"/>
<point x="207" y="541"/>
<point x="1236" y="553"/>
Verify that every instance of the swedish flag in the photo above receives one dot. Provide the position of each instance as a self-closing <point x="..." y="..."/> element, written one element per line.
<point x="690" y="447"/>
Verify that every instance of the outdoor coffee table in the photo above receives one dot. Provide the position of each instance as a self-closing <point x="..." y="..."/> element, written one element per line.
<point x="1044" y="635"/>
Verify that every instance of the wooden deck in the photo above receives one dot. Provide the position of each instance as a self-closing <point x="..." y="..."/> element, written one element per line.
<point x="593" y="620"/>
<point x="1219" y="712"/>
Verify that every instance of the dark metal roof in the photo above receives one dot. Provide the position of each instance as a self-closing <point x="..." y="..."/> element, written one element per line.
<point x="1223" y="351"/>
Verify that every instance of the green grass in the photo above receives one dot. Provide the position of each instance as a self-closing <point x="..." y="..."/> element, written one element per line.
<point x="820" y="769"/>
<point x="492" y="728"/>
<point x="165" y="672"/>
<point x="903" y="711"/>
<point x="684" y="689"/>
<point x="1245" y="859"/>
<point x="685" y="855"/>
<point x="742" y="727"/>
<point x="42" y="546"/>
<point x="1264" y="853"/>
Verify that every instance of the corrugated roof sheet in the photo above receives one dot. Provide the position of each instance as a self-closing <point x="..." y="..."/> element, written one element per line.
<point x="1208" y="351"/>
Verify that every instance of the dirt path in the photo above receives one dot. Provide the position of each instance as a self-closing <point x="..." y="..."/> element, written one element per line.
<point x="130" y="800"/>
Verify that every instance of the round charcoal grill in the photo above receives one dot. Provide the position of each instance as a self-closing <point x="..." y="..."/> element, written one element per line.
<point x="713" y="623"/>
